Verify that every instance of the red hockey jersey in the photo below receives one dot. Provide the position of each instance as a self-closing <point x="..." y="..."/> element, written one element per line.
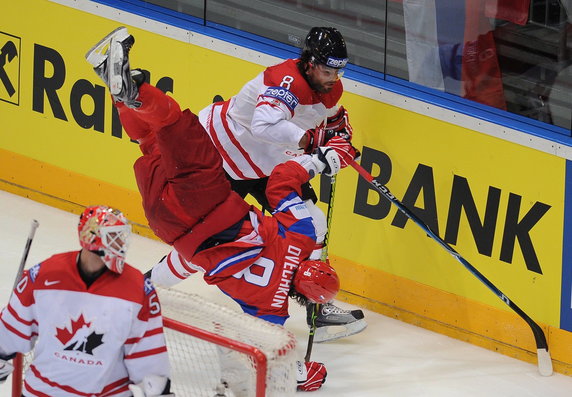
<point x="257" y="269"/>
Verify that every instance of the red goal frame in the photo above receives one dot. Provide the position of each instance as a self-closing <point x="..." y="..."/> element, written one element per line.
<point x="258" y="357"/>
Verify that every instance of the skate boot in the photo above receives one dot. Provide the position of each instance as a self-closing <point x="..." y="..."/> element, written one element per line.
<point x="334" y="323"/>
<point x="110" y="61"/>
<point x="97" y="55"/>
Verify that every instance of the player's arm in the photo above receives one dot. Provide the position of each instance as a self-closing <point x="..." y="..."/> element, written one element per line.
<point x="284" y="188"/>
<point x="271" y="119"/>
<point x="338" y="124"/>
<point x="145" y="351"/>
<point x="271" y="123"/>
<point x="18" y="328"/>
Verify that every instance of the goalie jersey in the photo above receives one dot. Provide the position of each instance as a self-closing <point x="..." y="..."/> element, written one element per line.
<point x="262" y="125"/>
<point x="87" y="341"/>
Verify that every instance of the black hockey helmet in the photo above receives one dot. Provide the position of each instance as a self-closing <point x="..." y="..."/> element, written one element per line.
<point x="326" y="46"/>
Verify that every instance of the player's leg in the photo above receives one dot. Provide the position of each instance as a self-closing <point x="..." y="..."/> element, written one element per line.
<point x="196" y="192"/>
<point x="98" y="54"/>
<point x="188" y="154"/>
<point x="110" y="60"/>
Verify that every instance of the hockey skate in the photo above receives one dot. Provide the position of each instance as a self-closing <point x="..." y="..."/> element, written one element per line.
<point x="334" y="323"/>
<point x="110" y="61"/>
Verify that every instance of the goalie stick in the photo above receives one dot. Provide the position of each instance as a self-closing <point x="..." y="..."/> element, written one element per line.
<point x="543" y="356"/>
<point x="34" y="225"/>
<point x="323" y="257"/>
<point x="18" y="361"/>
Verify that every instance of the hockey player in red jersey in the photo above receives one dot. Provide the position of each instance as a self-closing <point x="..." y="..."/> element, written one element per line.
<point x="93" y="321"/>
<point x="287" y="110"/>
<point x="257" y="260"/>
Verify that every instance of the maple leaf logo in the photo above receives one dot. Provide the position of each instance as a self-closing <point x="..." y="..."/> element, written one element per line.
<point x="65" y="336"/>
<point x="80" y="337"/>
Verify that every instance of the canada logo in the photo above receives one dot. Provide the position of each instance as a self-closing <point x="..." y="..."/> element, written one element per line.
<point x="79" y="337"/>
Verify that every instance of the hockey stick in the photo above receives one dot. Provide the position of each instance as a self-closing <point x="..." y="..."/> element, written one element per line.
<point x="543" y="356"/>
<point x="31" y="234"/>
<point x="323" y="257"/>
<point x="18" y="361"/>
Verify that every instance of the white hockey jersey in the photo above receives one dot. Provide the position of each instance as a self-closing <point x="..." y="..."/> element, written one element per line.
<point x="87" y="341"/>
<point x="262" y="125"/>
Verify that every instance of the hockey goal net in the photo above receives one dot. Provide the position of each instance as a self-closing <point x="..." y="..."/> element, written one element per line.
<point x="216" y="351"/>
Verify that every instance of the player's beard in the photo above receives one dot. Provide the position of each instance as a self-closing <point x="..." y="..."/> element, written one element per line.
<point x="321" y="88"/>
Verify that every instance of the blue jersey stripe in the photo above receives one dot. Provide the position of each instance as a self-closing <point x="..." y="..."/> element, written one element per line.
<point x="234" y="259"/>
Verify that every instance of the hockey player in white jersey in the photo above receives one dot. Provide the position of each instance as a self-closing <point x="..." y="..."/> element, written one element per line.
<point x="93" y="321"/>
<point x="287" y="110"/>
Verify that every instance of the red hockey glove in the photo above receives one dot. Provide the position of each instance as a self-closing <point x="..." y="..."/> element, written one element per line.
<point x="311" y="375"/>
<point x="344" y="149"/>
<point x="315" y="138"/>
<point x="339" y="125"/>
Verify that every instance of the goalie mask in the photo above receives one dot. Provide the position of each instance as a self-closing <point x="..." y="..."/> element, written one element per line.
<point x="317" y="281"/>
<point x="105" y="231"/>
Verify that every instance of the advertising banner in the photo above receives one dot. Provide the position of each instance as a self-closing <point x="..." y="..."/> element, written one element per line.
<point x="501" y="205"/>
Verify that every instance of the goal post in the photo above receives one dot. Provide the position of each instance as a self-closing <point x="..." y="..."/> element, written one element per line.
<point x="257" y="357"/>
<point x="17" y="375"/>
<point x="250" y="356"/>
<point x="217" y="351"/>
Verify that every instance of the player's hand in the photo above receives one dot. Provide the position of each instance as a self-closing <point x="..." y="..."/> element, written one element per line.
<point x="339" y="125"/>
<point x="310" y="375"/>
<point x="327" y="161"/>
<point x="313" y="139"/>
<point x="5" y="370"/>
<point x="345" y="150"/>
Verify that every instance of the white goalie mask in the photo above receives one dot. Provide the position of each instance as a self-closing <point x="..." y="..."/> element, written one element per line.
<point x="106" y="232"/>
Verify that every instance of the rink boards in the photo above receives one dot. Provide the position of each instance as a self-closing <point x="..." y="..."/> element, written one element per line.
<point x="502" y="204"/>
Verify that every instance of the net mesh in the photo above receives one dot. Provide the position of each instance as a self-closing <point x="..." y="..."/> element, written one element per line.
<point x="205" y="368"/>
<point x="202" y="367"/>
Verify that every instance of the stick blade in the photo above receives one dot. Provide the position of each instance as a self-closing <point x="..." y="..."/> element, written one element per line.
<point x="544" y="362"/>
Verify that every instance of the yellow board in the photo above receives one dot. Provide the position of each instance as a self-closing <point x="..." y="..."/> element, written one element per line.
<point x="54" y="78"/>
<point x="46" y="120"/>
<point x="455" y="157"/>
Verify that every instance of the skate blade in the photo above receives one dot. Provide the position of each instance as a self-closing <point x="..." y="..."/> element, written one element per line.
<point x="333" y="332"/>
<point x="115" y="67"/>
<point x="98" y="53"/>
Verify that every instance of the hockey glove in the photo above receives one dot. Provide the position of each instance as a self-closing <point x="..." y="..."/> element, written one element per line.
<point x="5" y="370"/>
<point x="152" y="386"/>
<point x="314" y="139"/>
<point x="327" y="160"/>
<point x="344" y="149"/>
<point x="339" y="125"/>
<point x="310" y="375"/>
